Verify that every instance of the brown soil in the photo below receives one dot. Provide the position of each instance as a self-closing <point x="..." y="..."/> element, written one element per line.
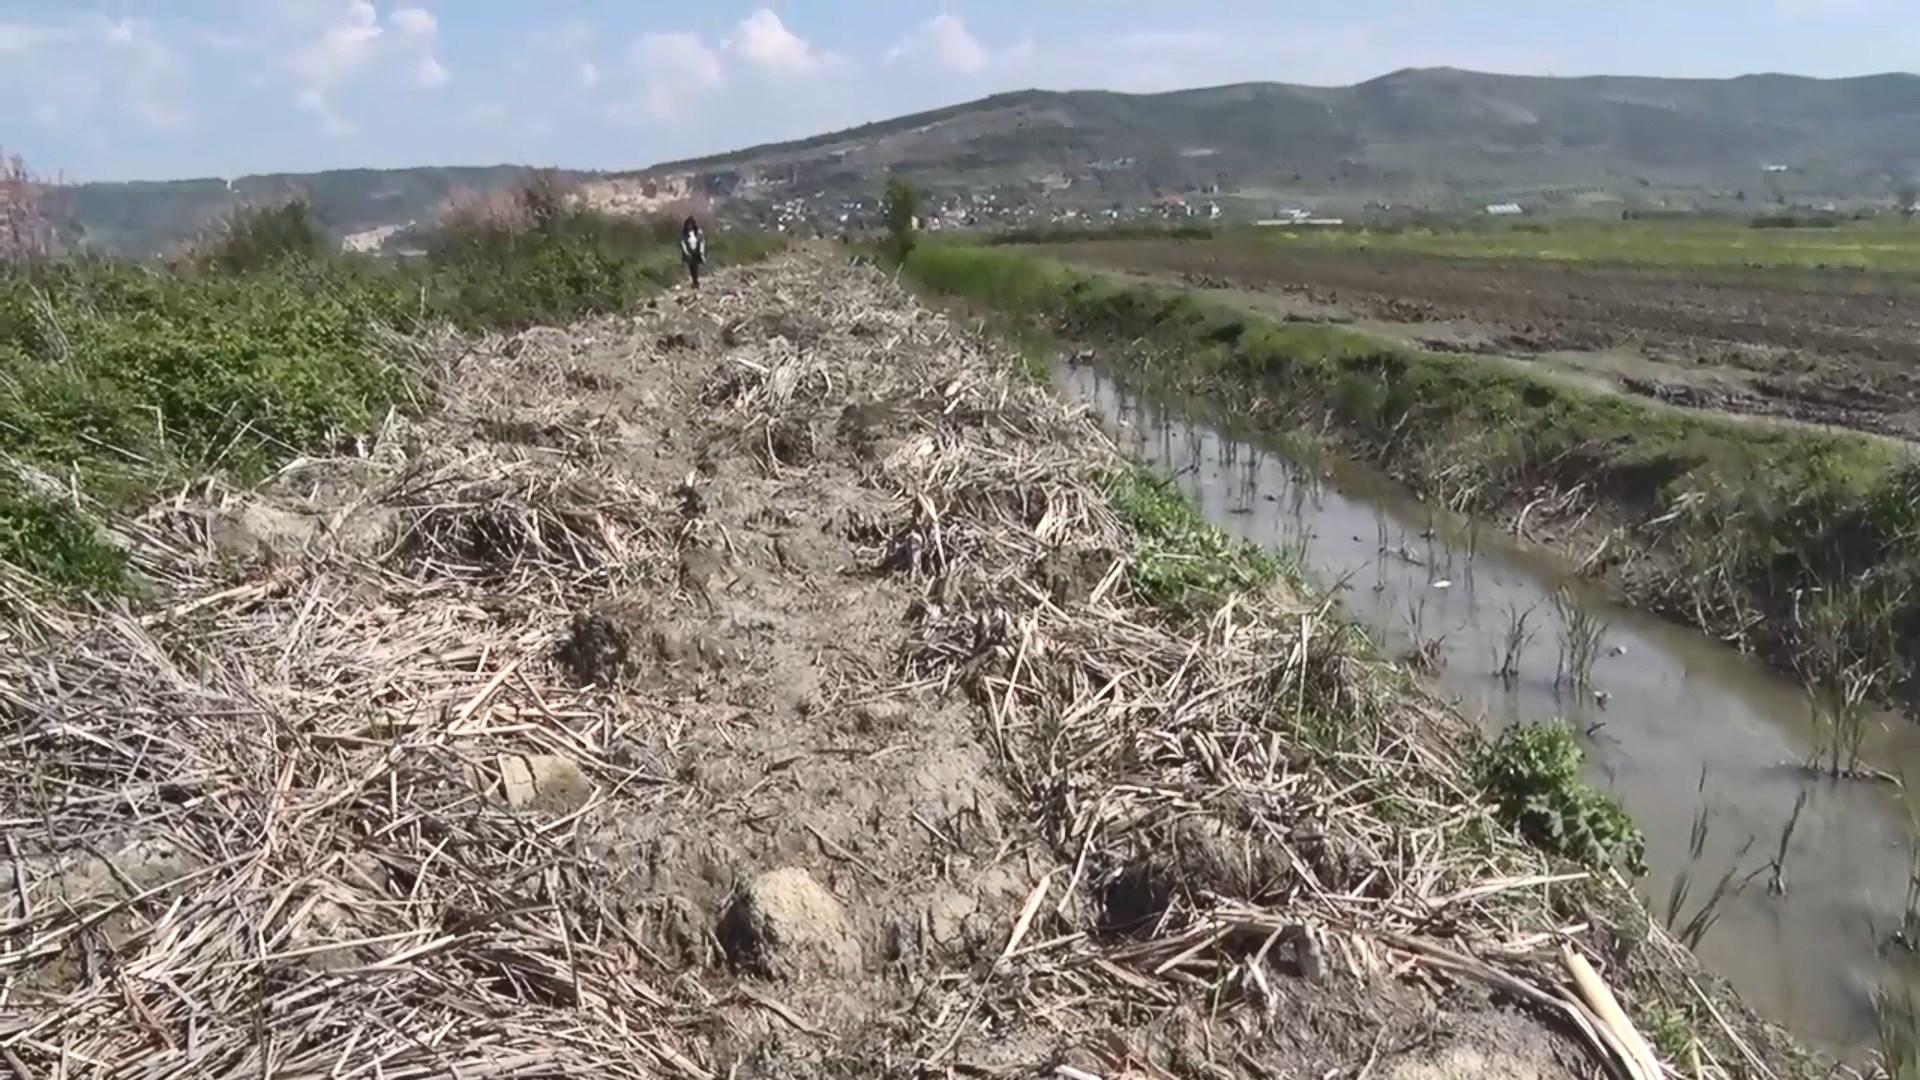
<point x="1839" y="348"/>
<point x="654" y="747"/>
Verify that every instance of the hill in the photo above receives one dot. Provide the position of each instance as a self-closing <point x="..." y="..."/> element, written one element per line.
<point x="1427" y="135"/>
<point x="142" y="217"/>
<point x="1439" y="137"/>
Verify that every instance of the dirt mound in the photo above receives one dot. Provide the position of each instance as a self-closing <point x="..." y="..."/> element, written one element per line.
<point x="729" y="727"/>
<point x="784" y="925"/>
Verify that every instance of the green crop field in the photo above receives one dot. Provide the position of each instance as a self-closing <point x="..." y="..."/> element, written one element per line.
<point x="1886" y="248"/>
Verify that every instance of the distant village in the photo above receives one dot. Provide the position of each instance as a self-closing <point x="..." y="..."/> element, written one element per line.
<point x="823" y="212"/>
<point x="1058" y="200"/>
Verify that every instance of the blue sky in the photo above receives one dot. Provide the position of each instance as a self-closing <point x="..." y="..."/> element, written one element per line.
<point x="115" y="89"/>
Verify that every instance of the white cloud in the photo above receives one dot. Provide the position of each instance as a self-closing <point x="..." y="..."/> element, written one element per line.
<point x="588" y="73"/>
<point x="429" y="73"/>
<point x="341" y="49"/>
<point x="945" y="41"/>
<point x="16" y="38"/>
<point x="154" y="76"/>
<point x="88" y="71"/>
<point x="414" y="21"/>
<point x="345" y="41"/>
<point x="331" y="121"/>
<point x="676" y="71"/>
<point x="765" y="42"/>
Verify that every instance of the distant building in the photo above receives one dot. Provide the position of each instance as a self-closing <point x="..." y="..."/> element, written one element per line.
<point x="1504" y="209"/>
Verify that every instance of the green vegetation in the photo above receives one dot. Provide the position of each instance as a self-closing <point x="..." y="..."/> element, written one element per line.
<point x="1067" y="234"/>
<point x="1799" y="543"/>
<point x="1181" y="563"/>
<point x="118" y="381"/>
<point x="256" y="238"/>
<point x="1773" y="240"/>
<point x="1532" y="776"/>
<point x="902" y="206"/>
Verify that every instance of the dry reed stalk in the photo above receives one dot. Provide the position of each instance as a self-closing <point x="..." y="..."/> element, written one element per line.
<point x="275" y="814"/>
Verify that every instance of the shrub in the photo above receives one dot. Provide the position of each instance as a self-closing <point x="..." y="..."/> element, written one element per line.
<point x="902" y="206"/>
<point x="254" y="238"/>
<point x="1532" y="775"/>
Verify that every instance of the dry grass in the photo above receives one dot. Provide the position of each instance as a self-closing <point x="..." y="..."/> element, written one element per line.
<point x="261" y="829"/>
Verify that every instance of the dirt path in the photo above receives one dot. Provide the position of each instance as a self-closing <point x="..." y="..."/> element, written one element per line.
<point x="1835" y="348"/>
<point x="752" y="687"/>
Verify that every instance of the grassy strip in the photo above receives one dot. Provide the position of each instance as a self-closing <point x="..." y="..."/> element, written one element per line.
<point x="120" y="380"/>
<point x="1777" y="242"/>
<point x="1800" y="543"/>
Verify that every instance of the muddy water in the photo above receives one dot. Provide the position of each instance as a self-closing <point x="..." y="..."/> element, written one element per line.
<point x="1679" y="727"/>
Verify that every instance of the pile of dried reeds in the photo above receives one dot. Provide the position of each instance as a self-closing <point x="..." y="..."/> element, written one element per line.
<point x="274" y="827"/>
<point x="1226" y="792"/>
<point x="270" y="826"/>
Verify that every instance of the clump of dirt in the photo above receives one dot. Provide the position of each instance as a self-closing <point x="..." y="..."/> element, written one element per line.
<point x="599" y="648"/>
<point x="783" y="925"/>
<point x="1072" y="576"/>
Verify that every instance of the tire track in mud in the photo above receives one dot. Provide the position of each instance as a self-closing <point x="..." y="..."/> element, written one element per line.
<point x="752" y="686"/>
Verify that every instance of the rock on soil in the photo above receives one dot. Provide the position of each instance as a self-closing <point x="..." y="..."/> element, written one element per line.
<point x="544" y="783"/>
<point x="784" y="925"/>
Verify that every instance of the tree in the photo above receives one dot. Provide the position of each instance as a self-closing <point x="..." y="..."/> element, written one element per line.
<point x="902" y="206"/>
<point x="1906" y="197"/>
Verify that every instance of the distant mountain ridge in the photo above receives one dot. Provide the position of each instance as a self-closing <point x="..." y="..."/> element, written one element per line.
<point x="1413" y="133"/>
<point x="144" y="217"/>
<point x="1435" y="136"/>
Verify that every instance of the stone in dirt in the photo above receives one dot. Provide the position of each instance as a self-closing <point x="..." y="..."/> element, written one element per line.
<point x="784" y="925"/>
<point x="259" y="531"/>
<point x="545" y="783"/>
<point x="1470" y="1063"/>
<point x="129" y="871"/>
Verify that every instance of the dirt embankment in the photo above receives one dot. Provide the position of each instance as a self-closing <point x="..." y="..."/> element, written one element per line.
<point x="752" y="687"/>
<point x="1840" y="348"/>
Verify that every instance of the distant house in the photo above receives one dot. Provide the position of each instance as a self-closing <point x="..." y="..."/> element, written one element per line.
<point x="1504" y="209"/>
<point x="1773" y="168"/>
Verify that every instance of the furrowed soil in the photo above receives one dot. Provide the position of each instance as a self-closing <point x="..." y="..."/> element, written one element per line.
<point x="759" y="685"/>
<point x="1835" y="347"/>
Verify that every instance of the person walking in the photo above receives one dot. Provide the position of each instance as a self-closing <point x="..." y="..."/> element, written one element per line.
<point x="693" y="248"/>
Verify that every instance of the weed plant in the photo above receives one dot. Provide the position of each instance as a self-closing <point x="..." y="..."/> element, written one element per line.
<point x="1531" y="773"/>
<point x="1181" y="563"/>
